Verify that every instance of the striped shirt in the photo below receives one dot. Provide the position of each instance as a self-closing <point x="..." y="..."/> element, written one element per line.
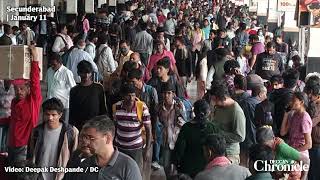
<point x="128" y="133"/>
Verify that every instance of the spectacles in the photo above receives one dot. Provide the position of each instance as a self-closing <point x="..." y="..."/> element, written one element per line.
<point x="87" y="138"/>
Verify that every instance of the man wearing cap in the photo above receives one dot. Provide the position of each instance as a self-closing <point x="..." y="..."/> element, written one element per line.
<point x="24" y="111"/>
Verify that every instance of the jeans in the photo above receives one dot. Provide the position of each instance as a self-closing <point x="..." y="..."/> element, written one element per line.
<point x="17" y="154"/>
<point x="314" y="173"/>
<point x="135" y="154"/>
<point x="158" y="142"/>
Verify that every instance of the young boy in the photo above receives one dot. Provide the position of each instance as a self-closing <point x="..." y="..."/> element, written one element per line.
<point x="163" y="76"/>
<point x="170" y="119"/>
<point x="53" y="141"/>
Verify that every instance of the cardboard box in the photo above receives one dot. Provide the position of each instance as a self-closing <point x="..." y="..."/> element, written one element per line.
<point x="15" y="62"/>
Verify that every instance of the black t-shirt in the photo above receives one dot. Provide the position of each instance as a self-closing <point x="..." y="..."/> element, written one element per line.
<point x="182" y="62"/>
<point x="86" y="102"/>
<point x="268" y="65"/>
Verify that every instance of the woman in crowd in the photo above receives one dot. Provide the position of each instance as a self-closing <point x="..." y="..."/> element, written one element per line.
<point x="188" y="153"/>
<point x="297" y="124"/>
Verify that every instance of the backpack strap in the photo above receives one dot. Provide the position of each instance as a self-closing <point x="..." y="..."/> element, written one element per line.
<point x="65" y="42"/>
<point x="139" y="105"/>
<point x="70" y="135"/>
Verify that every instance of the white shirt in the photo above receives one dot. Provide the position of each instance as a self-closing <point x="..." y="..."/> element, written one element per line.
<point x="59" y="84"/>
<point x="75" y="57"/>
<point x="60" y="44"/>
<point x="106" y="63"/>
<point x="91" y="49"/>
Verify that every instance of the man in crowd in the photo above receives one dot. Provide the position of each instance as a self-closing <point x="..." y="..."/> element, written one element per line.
<point x="91" y="45"/>
<point x="25" y="109"/>
<point x="143" y="44"/>
<point x="131" y="117"/>
<point x="269" y="63"/>
<point x="220" y="166"/>
<point x="98" y="134"/>
<point x="230" y="118"/>
<point x="259" y="94"/>
<point x="59" y="82"/>
<point x="49" y="146"/>
<point x="163" y="68"/>
<point x="87" y="99"/>
<point x="76" y="56"/>
<point x="5" y="39"/>
<point x="257" y="48"/>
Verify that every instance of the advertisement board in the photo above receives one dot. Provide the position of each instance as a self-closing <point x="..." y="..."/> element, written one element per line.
<point x="287" y="5"/>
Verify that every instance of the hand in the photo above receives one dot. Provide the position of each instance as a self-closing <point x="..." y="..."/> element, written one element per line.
<point x="146" y="154"/>
<point x="34" y="53"/>
<point x="189" y="79"/>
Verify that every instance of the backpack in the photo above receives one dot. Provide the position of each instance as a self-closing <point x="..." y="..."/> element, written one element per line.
<point x="188" y="114"/>
<point x="65" y="55"/>
<point x="139" y="105"/>
<point x="264" y="113"/>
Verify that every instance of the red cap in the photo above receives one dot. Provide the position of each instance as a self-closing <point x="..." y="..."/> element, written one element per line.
<point x="19" y="82"/>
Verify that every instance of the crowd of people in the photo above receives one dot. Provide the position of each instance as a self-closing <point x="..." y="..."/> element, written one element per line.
<point x="117" y="98"/>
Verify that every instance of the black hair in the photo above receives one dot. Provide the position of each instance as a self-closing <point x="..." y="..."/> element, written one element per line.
<point x="216" y="143"/>
<point x="127" y="88"/>
<point x="259" y="153"/>
<point x="6" y="28"/>
<point x="60" y="27"/>
<point x="213" y="31"/>
<point x="270" y="45"/>
<point x="84" y="67"/>
<point x="55" y="57"/>
<point x="15" y="28"/>
<point x="124" y="41"/>
<point x="219" y="90"/>
<point x="129" y="66"/>
<point x="229" y="65"/>
<point x="254" y="37"/>
<point x="168" y="86"/>
<point x="103" y="38"/>
<point x="201" y="110"/>
<point x="290" y="78"/>
<point x="240" y="82"/>
<point x="92" y="35"/>
<point x="53" y="104"/>
<point x="312" y="87"/>
<point x="242" y="26"/>
<point x="296" y="57"/>
<point x="135" y="74"/>
<point x="277" y="78"/>
<point x="164" y="62"/>
<point x="302" y="97"/>
<point x="143" y="25"/>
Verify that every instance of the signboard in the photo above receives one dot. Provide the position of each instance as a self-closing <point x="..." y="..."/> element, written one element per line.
<point x="287" y="5"/>
<point x="89" y="6"/>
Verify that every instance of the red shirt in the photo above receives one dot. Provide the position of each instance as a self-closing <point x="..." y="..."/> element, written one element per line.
<point x="161" y="19"/>
<point x="157" y="57"/>
<point x="25" y="112"/>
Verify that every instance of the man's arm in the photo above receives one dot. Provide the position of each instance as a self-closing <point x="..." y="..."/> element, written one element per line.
<point x="102" y="99"/>
<point x="36" y="97"/>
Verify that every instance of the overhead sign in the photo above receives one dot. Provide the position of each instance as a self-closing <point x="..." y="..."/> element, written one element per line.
<point x="287" y="5"/>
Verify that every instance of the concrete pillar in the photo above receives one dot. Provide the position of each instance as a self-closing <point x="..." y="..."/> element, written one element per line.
<point x="5" y="16"/>
<point x="48" y="3"/>
<point x="72" y="7"/>
<point x="100" y="2"/>
<point x="89" y="6"/>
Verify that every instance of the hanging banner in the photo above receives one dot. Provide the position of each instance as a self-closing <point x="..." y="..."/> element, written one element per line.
<point x="287" y="5"/>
